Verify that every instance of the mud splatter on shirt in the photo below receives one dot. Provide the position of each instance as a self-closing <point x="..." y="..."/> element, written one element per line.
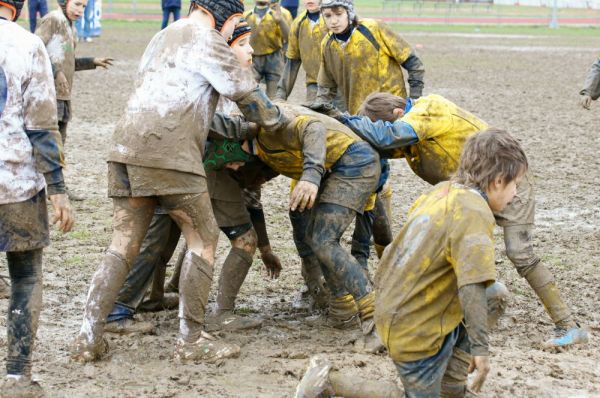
<point x="30" y="105"/>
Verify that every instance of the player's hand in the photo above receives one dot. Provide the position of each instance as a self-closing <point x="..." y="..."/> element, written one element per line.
<point x="271" y="261"/>
<point x="585" y="101"/>
<point x="303" y="196"/>
<point x="63" y="213"/>
<point x="482" y="365"/>
<point x="103" y="62"/>
<point x="276" y="11"/>
<point x="61" y="82"/>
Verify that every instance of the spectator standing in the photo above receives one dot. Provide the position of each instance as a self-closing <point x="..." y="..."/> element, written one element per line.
<point x="35" y="7"/>
<point x="85" y="25"/>
<point x="291" y="6"/>
<point x="170" y="7"/>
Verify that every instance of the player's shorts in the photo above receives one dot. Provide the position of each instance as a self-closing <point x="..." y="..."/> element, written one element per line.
<point x="24" y="225"/>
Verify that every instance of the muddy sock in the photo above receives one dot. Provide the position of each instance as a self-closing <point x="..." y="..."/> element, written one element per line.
<point x="542" y="282"/>
<point x="234" y="271"/>
<point x="104" y="288"/>
<point x="454" y="382"/>
<point x="158" y="283"/>
<point x="194" y="287"/>
<point x="173" y="284"/>
<point x="366" y="307"/>
<point x="25" y="269"/>
<point x="313" y="277"/>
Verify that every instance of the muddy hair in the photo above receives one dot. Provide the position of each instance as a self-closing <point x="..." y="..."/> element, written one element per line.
<point x="488" y="155"/>
<point x="380" y="106"/>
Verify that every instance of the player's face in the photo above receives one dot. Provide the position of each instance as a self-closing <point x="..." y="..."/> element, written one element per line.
<point x="75" y="9"/>
<point x="311" y="5"/>
<point x="336" y="19"/>
<point x="501" y="193"/>
<point x="229" y="26"/>
<point x="243" y="51"/>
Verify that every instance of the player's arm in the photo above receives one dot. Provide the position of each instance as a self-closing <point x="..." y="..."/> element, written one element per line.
<point x="292" y="64"/>
<point x="224" y="72"/>
<point x="382" y="135"/>
<point x="229" y="127"/>
<point x="313" y="136"/>
<point x="402" y="52"/>
<point x="327" y="87"/>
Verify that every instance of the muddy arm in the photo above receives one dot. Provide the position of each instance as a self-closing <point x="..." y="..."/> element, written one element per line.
<point x="314" y="150"/>
<point x="474" y="303"/>
<point x="233" y="128"/>
<point x="259" y="109"/>
<point x="382" y="135"/>
<point x="416" y="73"/>
<point x="288" y="79"/>
<point x="84" y="63"/>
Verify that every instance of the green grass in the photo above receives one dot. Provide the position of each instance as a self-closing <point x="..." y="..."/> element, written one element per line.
<point x="75" y="261"/>
<point x="498" y="29"/>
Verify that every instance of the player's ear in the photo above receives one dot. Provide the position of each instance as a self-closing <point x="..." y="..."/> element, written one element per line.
<point x="398" y="112"/>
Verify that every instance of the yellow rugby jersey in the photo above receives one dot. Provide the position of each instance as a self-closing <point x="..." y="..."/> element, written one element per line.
<point x="442" y="128"/>
<point x="368" y="62"/>
<point x="266" y="36"/>
<point x="446" y="243"/>
<point x="305" y="44"/>
<point x="282" y="150"/>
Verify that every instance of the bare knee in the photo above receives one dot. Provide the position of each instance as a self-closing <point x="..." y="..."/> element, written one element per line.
<point x="247" y="241"/>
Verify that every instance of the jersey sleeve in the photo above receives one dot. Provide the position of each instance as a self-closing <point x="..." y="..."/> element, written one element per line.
<point x="39" y="97"/>
<point x="293" y="50"/>
<point x="382" y="135"/>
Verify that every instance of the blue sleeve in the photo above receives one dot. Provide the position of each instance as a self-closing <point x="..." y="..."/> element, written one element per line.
<point x="382" y="135"/>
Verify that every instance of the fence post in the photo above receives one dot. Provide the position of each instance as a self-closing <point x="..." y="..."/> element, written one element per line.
<point x="554" y="19"/>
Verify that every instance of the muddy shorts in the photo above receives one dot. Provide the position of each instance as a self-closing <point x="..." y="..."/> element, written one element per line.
<point x="125" y="180"/>
<point x="353" y="178"/>
<point x="521" y="210"/>
<point x="227" y="200"/>
<point x="24" y="225"/>
<point x="269" y="66"/>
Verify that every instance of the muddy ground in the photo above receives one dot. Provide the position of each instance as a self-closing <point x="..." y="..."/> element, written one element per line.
<point x="526" y="84"/>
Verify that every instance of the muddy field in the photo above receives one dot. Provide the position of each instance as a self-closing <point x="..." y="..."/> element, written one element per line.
<point x="526" y="84"/>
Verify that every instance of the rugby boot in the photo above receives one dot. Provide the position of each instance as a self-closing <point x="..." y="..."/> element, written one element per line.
<point x="370" y="342"/>
<point x="228" y="321"/>
<point x="206" y="348"/>
<point x="129" y="326"/>
<point x="168" y="301"/>
<point x="565" y="337"/>
<point x="315" y="382"/>
<point x="21" y="387"/>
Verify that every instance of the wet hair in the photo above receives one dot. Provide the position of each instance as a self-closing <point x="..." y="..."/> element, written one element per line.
<point x="488" y="155"/>
<point x="380" y="106"/>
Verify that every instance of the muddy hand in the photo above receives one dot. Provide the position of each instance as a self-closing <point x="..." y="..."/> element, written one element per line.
<point x="271" y="262"/>
<point x="303" y="196"/>
<point x="482" y="364"/>
<point x="103" y="62"/>
<point x="61" y="81"/>
<point x="585" y="101"/>
<point x="63" y="213"/>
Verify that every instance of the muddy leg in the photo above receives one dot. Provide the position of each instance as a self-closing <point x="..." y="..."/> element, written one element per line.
<point x="25" y="269"/>
<point x="193" y="214"/>
<point x="382" y="230"/>
<point x="131" y="219"/>
<point x="519" y="249"/>
<point x="361" y="239"/>
<point x="234" y="271"/>
<point x="173" y="285"/>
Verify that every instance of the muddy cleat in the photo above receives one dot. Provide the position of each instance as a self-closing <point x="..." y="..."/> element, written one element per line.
<point x="229" y="321"/>
<point x="21" y="387"/>
<point x="82" y="351"/>
<point x="169" y="301"/>
<point x="567" y="337"/>
<point x="315" y="383"/>
<point x="206" y="348"/>
<point x="129" y="326"/>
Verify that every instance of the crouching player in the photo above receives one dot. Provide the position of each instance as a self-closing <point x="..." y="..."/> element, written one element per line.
<point x="30" y="169"/>
<point x="430" y="134"/>
<point x="304" y="150"/>
<point x="431" y="310"/>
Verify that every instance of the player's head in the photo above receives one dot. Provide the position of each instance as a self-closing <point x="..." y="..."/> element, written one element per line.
<point x="338" y="14"/>
<point x="73" y="9"/>
<point x="494" y="162"/>
<point x="225" y="14"/>
<point x="15" y="6"/>
<point x="220" y="154"/>
<point x="262" y="3"/>
<point x="383" y="106"/>
<point x="312" y="5"/>
<point x="240" y="43"/>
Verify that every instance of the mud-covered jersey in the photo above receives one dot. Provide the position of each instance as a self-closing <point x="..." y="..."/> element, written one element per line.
<point x="267" y="36"/>
<point x="298" y="152"/>
<point x="29" y="105"/>
<point x="181" y="74"/>
<point x="431" y="136"/>
<point x="370" y="61"/>
<point x="446" y="243"/>
<point x="60" y="39"/>
<point x="304" y="44"/>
